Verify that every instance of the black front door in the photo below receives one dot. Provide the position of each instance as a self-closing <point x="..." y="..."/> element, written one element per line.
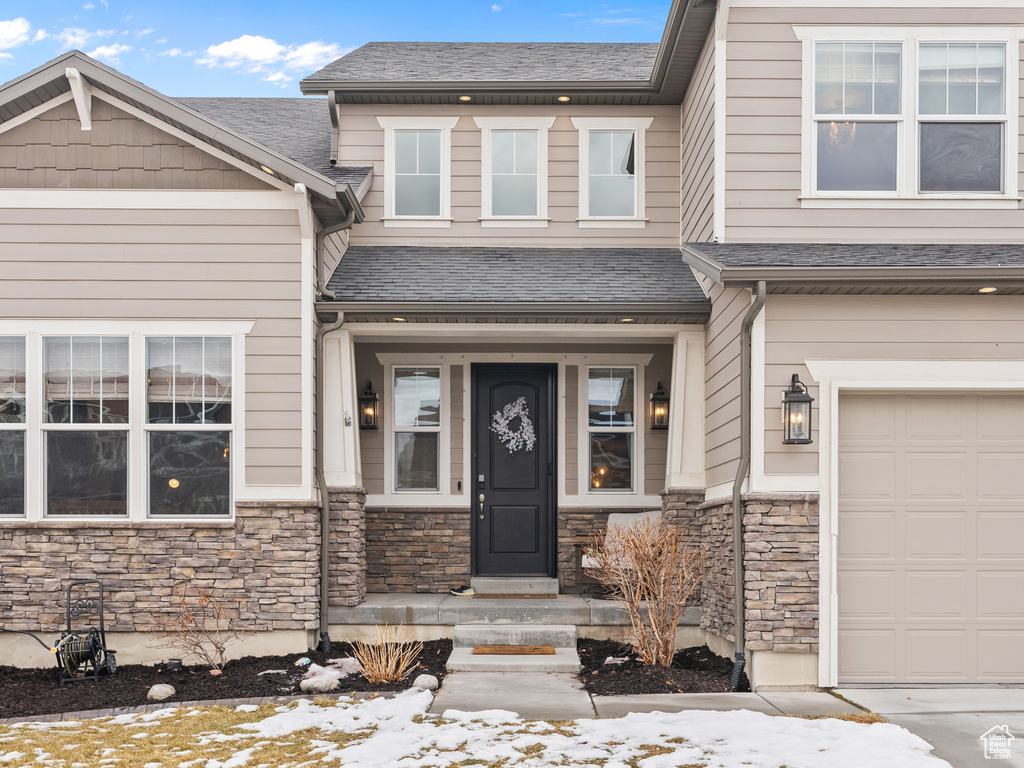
<point x="513" y="469"/>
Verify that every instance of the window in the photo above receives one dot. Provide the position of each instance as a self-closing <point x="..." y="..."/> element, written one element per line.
<point x="514" y="160"/>
<point x="611" y="171"/>
<point x="108" y="426"/>
<point x="417" y="170"/>
<point x="417" y="428"/>
<point x="910" y="113"/>
<point x="611" y="428"/>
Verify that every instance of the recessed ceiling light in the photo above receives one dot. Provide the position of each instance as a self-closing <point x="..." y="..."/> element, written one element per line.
<point x="465" y="98"/>
<point x="398" y="319"/>
<point x="627" y="319"/>
<point x="563" y="99"/>
<point x="988" y="289"/>
<point x="266" y="170"/>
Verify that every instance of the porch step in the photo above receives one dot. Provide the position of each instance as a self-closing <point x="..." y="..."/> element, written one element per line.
<point x="564" y="660"/>
<point x="564" y="609"/>
<point x="558" y="635"/>
<point x="514" y="585"/>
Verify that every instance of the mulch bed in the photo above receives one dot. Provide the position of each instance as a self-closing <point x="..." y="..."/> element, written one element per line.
<point x="25" y="692"/>
<point x="693" y="670"/>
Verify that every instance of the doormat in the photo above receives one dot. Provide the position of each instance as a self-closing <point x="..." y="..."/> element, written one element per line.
<point x="513" y="650"/>
<point x="508" y="596"/>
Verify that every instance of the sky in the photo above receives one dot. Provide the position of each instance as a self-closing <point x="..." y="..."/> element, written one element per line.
<point x="265" y="47"/>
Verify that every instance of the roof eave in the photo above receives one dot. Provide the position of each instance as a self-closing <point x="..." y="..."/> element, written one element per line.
<point x="954" y="275"/>
<point x="638" y="310"/>
<point x="432" y="87"/>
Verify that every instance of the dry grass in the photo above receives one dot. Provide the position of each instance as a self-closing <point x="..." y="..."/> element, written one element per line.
<point x="391" y="655"/>
<point x="655" y="574"/>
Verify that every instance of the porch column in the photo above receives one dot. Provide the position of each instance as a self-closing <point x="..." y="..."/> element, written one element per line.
<point x="684" y="465"/>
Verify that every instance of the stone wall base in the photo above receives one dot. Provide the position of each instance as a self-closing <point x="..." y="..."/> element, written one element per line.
<point x="417" y="550"/>
<point x="347" y="571"/>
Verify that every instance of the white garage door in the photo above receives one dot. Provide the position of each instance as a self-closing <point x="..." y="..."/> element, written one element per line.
<point x="931" y="538"/>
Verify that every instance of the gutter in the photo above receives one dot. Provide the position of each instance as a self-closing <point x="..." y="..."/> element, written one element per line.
<point x="737" y="487"/>
<point x="638" y="310"/>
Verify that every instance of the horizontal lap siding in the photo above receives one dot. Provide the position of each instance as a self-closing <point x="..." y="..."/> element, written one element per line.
<point x="176" y="265"/>
<point x="798" y="328"/>
<point x="722" y="382"/>
<point x="362" y="142"/>
<point x="698" y="150"/>
<point x="764" y="128"/>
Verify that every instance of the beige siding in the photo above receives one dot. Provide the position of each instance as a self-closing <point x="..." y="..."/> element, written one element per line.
<point x="572" y="423"/>
<point x="371" y="441"/>
<point x="334" y="249"/>
<point x="698" y="150"/>
<point x="655" y="441"/>
<point x="764" y="125"/>
<point x="456" y="422"/>
<point x="362" y="142"/>
<point x="120" y="152"/>
<point x="798" y="328"/>
<point x="722" y="382"/>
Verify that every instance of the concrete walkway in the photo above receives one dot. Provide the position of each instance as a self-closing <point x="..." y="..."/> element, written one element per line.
<point x="554" y="696"/>
<point x="952" y="720"/>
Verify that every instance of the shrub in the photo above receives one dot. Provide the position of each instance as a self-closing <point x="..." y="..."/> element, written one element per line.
<point x="654" y="574"/>
<point x="391" y="655"/>
<point x="197" y="626"/>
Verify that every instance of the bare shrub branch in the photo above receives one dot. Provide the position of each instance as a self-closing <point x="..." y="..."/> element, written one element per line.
<point x="391" y="655"/>
<point x="197" y="626"/>
<point x="654" y="573"/>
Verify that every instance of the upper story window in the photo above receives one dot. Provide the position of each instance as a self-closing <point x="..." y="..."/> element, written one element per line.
<point x="910" y="113"/>
<point x="514" y="162"/>
<point x="417" y="171"/>
<point x="612" y="171"/>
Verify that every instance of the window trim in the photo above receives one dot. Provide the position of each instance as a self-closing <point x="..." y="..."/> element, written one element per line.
<point x="445" y="126"/>
<point x="138" y="456"/>
<point x="909" y="120"/>
<point x="21" y="426"/>
<point x="443" y="430"/>
<point x="638" y="430"/>
<point x="639" y="126"/>
<point x="487" y="126"/>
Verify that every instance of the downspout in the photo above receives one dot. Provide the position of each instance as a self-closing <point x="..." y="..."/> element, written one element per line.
<point x="321" y="480"/>
<point x="737" y="486"/>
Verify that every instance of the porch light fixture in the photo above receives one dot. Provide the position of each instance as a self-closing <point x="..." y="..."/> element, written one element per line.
<point x="796" y="413"/>
<point x="563" y="99"/>
<point x="659" y="408"/>
<point x="398" y="319"/>
<point x="988" y="289"/>
<point x="368" y="407"/>
<point x="464" y="99"/>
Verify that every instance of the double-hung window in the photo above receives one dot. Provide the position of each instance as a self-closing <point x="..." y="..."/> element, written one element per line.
<point x="611" y="428"/>
<point x="910" y="113"/>
<point x="417" y="171"/>
<point x="514" y="159"/>
<point x="12" y="425"/>
<point x="417" y="428"/>
<point x="612" y="160"/>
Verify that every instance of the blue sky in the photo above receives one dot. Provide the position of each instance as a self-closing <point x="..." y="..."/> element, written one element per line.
<point x="264" y="48"/>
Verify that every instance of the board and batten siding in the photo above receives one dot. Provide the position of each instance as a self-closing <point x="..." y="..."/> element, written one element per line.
<point x="698" y="150"/>
<point x="800" y="328"/>
<point x="362" y="143"/>
<point x="764" y="127"/>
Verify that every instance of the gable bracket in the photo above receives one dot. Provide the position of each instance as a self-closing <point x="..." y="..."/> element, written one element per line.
<point x="82" y="92"/>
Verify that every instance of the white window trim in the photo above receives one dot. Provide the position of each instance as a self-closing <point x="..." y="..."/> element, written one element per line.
<point x="638" y="430"/>
<point x="639" y="126"/>
<point x="906" y="195"/>
<point x="136" y="332"/>
<point x="444" y="474"/>
<point x="487" y="126"/>
<point x="445" y="126"/>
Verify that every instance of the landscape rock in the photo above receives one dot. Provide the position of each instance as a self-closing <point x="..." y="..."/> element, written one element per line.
<point x="426" y="682"/>
<point x="320" y="684"/>
<point x="160" y="691"/>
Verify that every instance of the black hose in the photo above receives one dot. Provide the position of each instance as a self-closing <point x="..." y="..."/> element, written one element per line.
<point x="737" y="671"/>
<point x="23" y="632"/>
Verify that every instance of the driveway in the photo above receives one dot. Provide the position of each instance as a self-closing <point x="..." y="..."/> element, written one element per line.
<point x="953" y="720"/>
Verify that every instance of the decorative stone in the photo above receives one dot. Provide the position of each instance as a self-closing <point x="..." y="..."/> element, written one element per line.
<point x="426" y="682"/>
<point x="160" y="691"/>
<point x="320" y="684"/>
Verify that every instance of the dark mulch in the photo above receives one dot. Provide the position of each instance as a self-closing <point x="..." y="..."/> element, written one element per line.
<point x="25" y="692"/>
<point x="693" y="670"/>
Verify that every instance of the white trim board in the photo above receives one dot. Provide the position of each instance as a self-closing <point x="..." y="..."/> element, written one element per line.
<point x="639" y="126"/>
<point x="443" y="124"/>
<point x="32" y="114"/>
<point x="836" y="376"/>
<point x="150" y="199"/>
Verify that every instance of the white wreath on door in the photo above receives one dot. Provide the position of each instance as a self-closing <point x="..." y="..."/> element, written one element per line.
<point x="522" y="438"/>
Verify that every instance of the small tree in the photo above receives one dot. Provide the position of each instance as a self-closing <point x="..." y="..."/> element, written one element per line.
<point x="197" y="626"/>
<point x="654" y="573"/>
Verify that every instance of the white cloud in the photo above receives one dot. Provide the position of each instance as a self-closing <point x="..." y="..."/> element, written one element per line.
<point x="14" y="32"/>
<point x="76" y="37"/>
<point x="144" y="32"/>
<point x="41" y="34"/>
<point x="110" y="52"/>
<point x="88" y="6"/>
<point x="263" y="55"/>
<point x="496" y="7"/>
<point x="175" y="52"/>
<point x="6" y="56"/>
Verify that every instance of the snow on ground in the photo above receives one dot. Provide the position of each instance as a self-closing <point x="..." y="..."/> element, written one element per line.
<point x="395" y="732"/>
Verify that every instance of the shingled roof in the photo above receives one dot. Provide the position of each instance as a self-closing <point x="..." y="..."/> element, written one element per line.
<point x="296" y="128"/>
<point x="492" y="62"/>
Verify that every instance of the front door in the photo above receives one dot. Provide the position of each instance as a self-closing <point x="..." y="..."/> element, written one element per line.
<point x="513" y="470"/>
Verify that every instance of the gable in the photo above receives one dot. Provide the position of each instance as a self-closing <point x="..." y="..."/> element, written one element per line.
<point x="120" y="152"/>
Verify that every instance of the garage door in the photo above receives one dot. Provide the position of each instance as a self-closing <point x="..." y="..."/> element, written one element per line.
<point x="931" y="538"/>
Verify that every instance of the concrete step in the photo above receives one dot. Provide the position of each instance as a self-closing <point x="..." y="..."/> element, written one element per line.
<point x="514" y="585"/>
<point x="558" y="635"/>
<point x="564" y="609"/>
<point x="564" y="660"/>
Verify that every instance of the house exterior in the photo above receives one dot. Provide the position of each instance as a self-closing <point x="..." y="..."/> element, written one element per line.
<point x="439" y="297"/>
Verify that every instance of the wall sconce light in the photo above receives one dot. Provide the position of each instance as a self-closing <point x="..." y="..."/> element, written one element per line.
<point x="659" y="408"/>
<point x="796" y="413"/>
<point x="368" y="407"/>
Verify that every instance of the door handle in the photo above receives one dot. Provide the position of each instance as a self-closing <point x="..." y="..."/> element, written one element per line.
<point x="481" y="497"/>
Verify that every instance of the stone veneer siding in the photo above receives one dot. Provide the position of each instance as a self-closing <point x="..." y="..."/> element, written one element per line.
<point x="417" y="550"/>
<point x="263" y="566"/>
<point x="780" y="559"/>
<point x="347" y="570"/>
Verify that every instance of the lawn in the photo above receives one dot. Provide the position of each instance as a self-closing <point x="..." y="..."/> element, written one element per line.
<point x="396" y="732"/>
